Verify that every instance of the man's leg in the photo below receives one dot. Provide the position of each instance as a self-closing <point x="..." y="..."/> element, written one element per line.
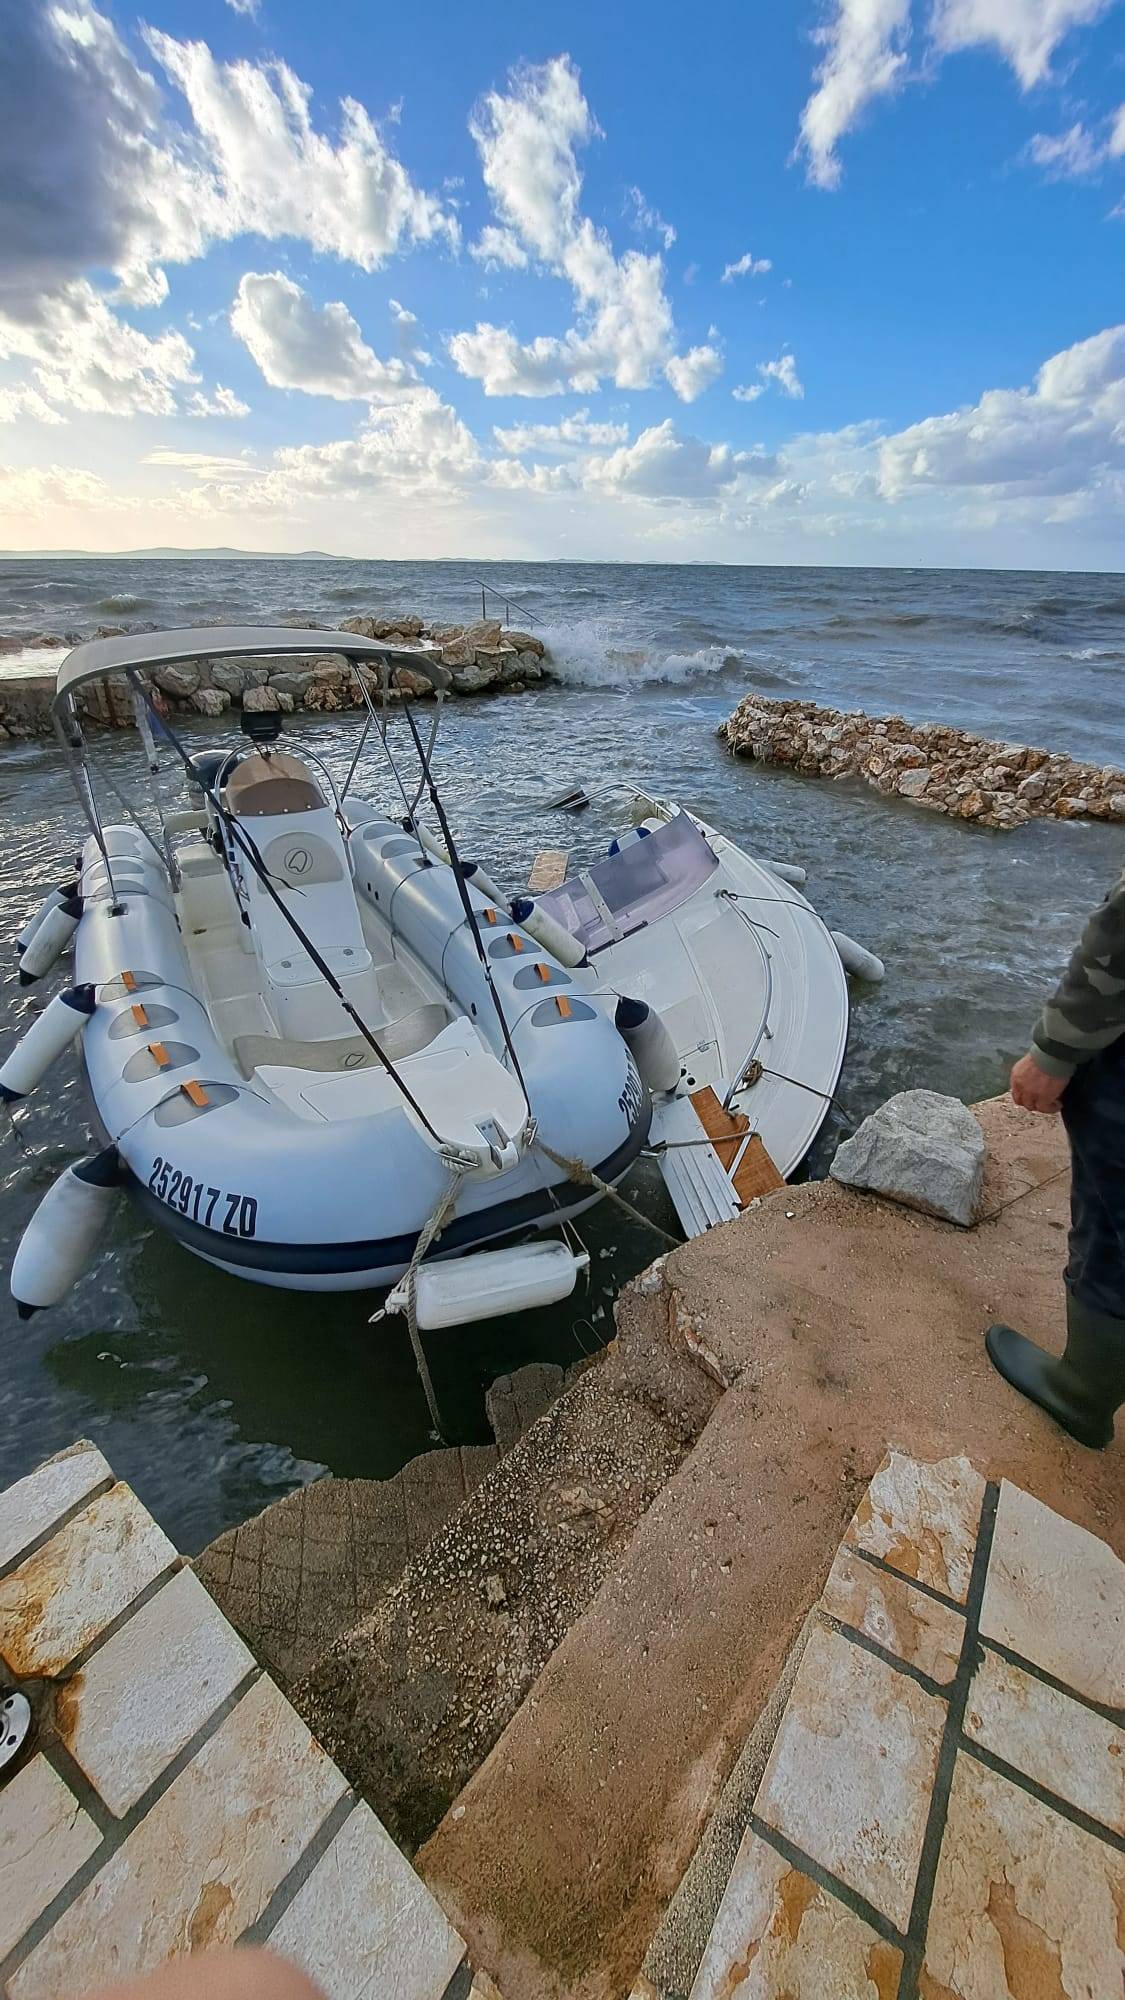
<point x="1084" y="1387"/>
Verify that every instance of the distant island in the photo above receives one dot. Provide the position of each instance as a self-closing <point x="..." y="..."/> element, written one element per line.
<point x="171" y="555"/>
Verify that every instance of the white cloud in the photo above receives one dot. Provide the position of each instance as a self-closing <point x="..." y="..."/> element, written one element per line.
<point x="864" y="58"/>
<point x="318" y="349"/>
<point x="646" y="220"/>
<point x="247" y="7"/>
<point x="205" y="463"/>
<point x="222" y="403"/>
<point x="85" y="358"/>
<point x="1065" y="155"/>
<point x="1025" y="32"/>
<point x="25" y="402"/>
<point x="109" y="181"/>
<point x="783" y="371"/>
<point x="528" y="138"/>
<point x="28" y="491"/>
<point x="280" y="177"/>
<point x="662" y="464"/>
<point x="691" y="373"/>
<point x="1056" y="438"/>
<point x="569" y="431"/>
<point x="746" y="266"/>
<point x="1078" y="152"/>
<point x="499" y="250"/>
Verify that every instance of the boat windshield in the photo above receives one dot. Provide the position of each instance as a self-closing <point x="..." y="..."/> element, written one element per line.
<point x="639" y="885"/>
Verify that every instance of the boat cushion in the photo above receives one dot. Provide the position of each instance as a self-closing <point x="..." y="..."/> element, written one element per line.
<point x="398" y="1039"/>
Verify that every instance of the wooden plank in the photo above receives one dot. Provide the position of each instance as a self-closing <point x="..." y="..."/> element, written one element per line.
<point x="756" y="1173"/>
<point x="548" y="870"/>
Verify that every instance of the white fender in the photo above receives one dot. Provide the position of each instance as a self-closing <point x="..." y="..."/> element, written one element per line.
<point x="51" y="939"/>
<point x="64" y="1232"/>
<point x="491" y="1283"/>
<point x="547" y="931"/>
<point x="50" y="902"/>
<point x="429" y="841"/>
<point x="650" y="1044"/>
<point x="474" y="873"/>
<point x="52" y="1031"/>
<point x="788" y="871"/>
<point x="855" y="958"/>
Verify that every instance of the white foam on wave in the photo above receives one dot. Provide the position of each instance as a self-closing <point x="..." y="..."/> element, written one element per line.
<point x="595" y="655"/>
<point x="1094" y="653"/>
<point x="31" y="660"/>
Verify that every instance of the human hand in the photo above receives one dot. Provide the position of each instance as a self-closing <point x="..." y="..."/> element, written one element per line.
<point x="1034" y="1090"/>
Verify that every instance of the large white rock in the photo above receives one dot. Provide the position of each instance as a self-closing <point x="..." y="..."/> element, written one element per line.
<point x="919" y="1148"/>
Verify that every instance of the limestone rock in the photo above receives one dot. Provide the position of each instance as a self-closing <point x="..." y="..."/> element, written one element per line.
<point x="913" y="783"/>
<point x="210" y="701"/>
<point x="921" y="1149"/>
<point x="1117" y="805"/>
<point x="524" y="642"/>
<point x="178" y="681"/>
<point x="257" y="699"/>
<point x="486" y="633"/>
<point x="472" y="678"/>
<point x="235" y="676"/>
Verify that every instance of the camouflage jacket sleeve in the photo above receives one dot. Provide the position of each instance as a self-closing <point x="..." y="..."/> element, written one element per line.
<point x="1087" y="1012"/>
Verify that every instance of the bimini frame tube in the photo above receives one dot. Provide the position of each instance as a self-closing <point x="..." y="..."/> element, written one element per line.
<point x="74" y="750"/>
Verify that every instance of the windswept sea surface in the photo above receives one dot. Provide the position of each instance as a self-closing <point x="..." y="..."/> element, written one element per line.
<point x="214" y="1397"/>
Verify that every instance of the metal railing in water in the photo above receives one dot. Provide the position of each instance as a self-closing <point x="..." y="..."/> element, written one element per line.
<point x="488" y="590"/>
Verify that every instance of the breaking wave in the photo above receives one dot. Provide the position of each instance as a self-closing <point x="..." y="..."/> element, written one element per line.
<point x="125" y="601"/>
<point x="591" y="657"/>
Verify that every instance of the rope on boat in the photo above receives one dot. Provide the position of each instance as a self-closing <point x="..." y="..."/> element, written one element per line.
<point x="428" y="1235"/>
<point x="584" y="1176"/>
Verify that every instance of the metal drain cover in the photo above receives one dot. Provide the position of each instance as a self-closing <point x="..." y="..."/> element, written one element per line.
<point x="15" y="1721"/>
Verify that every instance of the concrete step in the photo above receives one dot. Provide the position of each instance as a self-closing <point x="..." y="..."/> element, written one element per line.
<point x="311" y="1566"/>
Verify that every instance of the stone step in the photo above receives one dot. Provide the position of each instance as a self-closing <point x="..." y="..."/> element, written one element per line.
<point x="414" y="1697"/>
<point x="311" y="1566"/>
<point x="168" y="1798"/>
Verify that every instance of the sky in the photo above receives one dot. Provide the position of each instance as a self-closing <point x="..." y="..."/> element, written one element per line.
<point x="840" y="282"/>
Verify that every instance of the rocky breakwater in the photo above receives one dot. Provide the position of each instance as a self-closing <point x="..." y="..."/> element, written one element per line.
<point x="930" y="764"/>
<point x="480" y="658"/>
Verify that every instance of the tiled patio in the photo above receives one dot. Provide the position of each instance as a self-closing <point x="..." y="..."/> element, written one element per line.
<point x="170" y="1798"/>
<point x="942" y="1812"/>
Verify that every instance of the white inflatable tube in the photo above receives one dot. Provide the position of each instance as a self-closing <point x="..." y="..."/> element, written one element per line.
<point x="430" y="842"/>
<point x="52" y="1031"/>
<point x="474" y="873"/>
<point x="64" y="1232"/>
<point x="50" y="902"/>
<point x="50" y="939"/>
<point x="547" y="931"/>
<point x="856" y="958"/>
<point x="491" y="1283"/>
<point x="650" y="1044"/>
<point x="788" y="871"/>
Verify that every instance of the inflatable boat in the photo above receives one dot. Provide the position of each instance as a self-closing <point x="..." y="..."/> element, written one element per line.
<point x="325" y="1052"/>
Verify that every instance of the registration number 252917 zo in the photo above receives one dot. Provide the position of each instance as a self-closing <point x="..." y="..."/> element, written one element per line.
<point x="215" y="1208"/>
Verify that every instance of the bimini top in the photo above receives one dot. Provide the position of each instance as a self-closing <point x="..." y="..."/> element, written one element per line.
<point x="98" y="657"/>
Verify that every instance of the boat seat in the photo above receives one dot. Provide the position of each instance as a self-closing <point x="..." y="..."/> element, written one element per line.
<point x="261" y="786"/>
<point x="398" y="1039"/>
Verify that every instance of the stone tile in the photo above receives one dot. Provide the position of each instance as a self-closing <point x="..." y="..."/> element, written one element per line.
<point x="58" y="1601"/>
<point x="149" y="1688"/>
<point x="922" y="1520"/>
<point x="203" y="1864"/>
<point x="44" y="1837"/>
<point x="1026" y="1907"/>
<point x="1056" y="1594"/>
<point x="1066" y="1748"/>
<point x="34" y="1504"/>
<point x="777" y="1932"/>
<point x="364" y="1922"/>
<point x="912" y="1626"/>
<point x="852" y="1767"/>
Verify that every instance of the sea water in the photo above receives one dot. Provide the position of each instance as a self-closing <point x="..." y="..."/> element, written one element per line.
<point x="214" y="1396"/>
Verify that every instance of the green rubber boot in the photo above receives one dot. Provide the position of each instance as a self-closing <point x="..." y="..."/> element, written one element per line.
<point x="1081" y="1388"/>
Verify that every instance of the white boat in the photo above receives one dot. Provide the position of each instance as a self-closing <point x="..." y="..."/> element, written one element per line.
<point x="325" y="1053"/>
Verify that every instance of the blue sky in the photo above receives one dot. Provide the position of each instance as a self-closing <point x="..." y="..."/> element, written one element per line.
<point x="841" y="282"/>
